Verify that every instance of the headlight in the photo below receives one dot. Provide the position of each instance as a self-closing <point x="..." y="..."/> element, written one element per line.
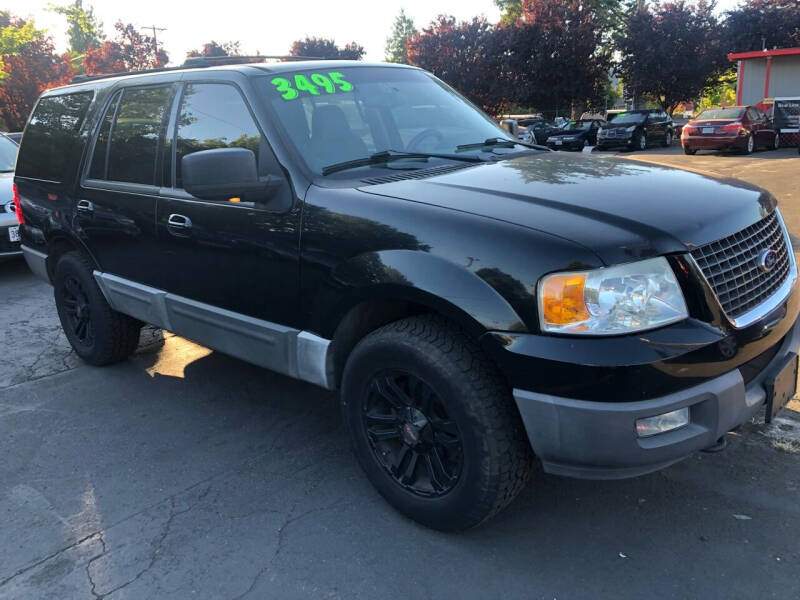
<point x="631" y="129"/>
<point x="611" y="301"/>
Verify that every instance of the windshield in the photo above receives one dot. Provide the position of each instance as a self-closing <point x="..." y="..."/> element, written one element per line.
<point x="628" y="118"/>
<point x="578" y="125"/>
<point x="8" y="154"/>
<point x="333" y="116"/>
<point x="721" y="113"/>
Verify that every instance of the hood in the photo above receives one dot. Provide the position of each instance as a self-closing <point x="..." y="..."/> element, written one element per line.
<point x="620" y="209"/>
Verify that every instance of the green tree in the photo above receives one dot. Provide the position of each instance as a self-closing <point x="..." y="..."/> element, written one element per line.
<point x="15" y="33"/>
<point x="511" y="11"/>
<point x="397" y="43"/>
<point x="85" y="30"/>
<point x="671" y="52"/>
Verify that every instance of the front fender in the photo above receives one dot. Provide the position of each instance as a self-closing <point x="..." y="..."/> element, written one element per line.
<point x="425" y="279"/>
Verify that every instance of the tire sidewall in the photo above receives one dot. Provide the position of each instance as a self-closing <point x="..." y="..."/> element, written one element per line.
<point x="375" y="355"/>
<point x="750" y="144"/>
<point x="642" y="141"/>
<point x="72" y="265"/>
<point x="776" y="144"/>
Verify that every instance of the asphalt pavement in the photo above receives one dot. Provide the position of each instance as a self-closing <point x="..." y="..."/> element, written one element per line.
<point x="183" y="473"/>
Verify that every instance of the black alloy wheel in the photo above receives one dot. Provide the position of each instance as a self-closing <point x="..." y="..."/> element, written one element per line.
<point x="411" y="435"/>
<point x="77" y="310"/>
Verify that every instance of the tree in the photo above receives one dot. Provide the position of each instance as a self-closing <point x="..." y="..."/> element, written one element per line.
<point x="511" y="11"/>
<point x="15" y="33"/>
<point x="670" y="53"/>
<point x="34" y="68"/>
<point x="85" y="30"/>
<point x="212" y="48"/>
<point x="131" y="51"/>
<point x="397" y="43"/>
<point x="326" y="48"/>
<point x="759" y="23"/>
<point x="467" y="55"/>
<point x="557" y="57"/>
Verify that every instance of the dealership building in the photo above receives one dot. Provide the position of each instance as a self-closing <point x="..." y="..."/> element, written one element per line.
<point x="771" y="80"/>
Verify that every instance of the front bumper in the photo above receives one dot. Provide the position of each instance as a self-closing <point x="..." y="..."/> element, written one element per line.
<point x="8" y="249"/>
<point x="565" y="144"/>
<point x="614" y="142"/>
<point x="597" y="440"/>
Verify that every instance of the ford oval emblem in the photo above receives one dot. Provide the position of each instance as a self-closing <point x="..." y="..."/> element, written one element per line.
<point x="768" y="260"/>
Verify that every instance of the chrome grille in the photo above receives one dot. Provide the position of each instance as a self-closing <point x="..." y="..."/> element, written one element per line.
<point x="732" y="265"/>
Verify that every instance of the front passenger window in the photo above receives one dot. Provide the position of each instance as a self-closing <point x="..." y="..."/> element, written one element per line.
<point x="213" y="115"/>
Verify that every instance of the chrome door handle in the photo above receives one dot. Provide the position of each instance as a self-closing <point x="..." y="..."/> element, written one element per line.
<point x="85" y="206"/>
<point x="176" y="220"/>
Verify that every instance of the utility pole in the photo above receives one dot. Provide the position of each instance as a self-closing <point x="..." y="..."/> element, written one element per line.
<point x="154" y="29"/>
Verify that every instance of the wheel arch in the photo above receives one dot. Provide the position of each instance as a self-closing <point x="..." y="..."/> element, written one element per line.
<point x="387" y="286"/>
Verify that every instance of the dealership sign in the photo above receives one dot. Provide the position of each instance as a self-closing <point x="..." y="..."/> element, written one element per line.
<point x="786" y="114"/>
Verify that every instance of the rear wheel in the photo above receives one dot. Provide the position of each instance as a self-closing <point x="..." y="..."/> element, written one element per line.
<point x="98" y="334"/>
<point x="433" y="424"/>
<point x="749" y="145"/>
<point x="688" y="150"/>
<point x="776" y="143"/>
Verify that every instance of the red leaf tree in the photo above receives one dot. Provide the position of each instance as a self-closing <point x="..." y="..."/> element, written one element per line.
<point x="468" y="55"/>
<point x="326" y="48"/>
<point x="30" y="71"/>
<point x="130" y="51"/>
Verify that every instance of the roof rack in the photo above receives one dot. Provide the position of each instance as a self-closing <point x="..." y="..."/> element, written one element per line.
<point x="196" y="62"/>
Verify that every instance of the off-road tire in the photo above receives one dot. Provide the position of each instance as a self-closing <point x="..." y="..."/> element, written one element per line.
<point x="115" y="336"/>
<point x="497" y="458"/>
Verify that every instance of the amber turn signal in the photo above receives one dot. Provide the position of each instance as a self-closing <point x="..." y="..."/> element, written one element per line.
<point x="562" y="299"/>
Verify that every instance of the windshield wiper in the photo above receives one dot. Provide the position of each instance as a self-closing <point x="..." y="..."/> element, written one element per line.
<point x="498" y="142"/>
<point x="385" y="156"/>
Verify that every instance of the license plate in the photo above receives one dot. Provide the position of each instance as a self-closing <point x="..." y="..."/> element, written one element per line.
<point x="708" y="130"/>
<point x="781" y="389"/>
<point x="559" y="142"/>
<point x="13" y="233"/>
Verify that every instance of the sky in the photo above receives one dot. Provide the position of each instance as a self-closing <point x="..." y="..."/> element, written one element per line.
<point x="268" y="27"/>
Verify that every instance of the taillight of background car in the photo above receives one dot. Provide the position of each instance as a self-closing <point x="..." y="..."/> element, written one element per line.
<point x="17" y="205"/>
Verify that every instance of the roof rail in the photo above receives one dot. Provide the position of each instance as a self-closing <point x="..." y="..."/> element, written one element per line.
<point x="208" y="61"/>
<point x="195" y="62"/>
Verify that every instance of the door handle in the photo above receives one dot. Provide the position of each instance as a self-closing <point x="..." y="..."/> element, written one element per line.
<point x="85" y="207"/>
<point x="179" y="221"/>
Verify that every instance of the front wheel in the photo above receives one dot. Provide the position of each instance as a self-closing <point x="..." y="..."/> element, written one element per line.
<point x="97" y="333"/>
<point x="640" y="140"/>
<point x="667" y="139"/>
<point x="776" y="143"/>
<point x="433" y="424"/>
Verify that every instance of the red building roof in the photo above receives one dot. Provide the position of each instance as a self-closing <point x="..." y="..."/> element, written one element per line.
<point x="763" y="53"/>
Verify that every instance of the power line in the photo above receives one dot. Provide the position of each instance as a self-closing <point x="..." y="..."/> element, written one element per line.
<point x="154" y="29"/>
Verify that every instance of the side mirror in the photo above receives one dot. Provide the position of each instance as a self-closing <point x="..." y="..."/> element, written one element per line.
<point x="225" y="173"/>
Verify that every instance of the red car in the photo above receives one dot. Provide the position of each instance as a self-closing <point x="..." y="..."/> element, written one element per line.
<point x="743" y="128"/>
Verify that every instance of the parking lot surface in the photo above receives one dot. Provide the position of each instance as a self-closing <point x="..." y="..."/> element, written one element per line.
<point x="183" y="473"/>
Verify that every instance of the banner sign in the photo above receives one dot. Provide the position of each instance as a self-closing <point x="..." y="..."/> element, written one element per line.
<point x="786" y="114"/>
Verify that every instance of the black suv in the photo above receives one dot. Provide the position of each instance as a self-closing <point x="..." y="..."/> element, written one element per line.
<point x="636" y="130"/>
<point x="477" y="302"/>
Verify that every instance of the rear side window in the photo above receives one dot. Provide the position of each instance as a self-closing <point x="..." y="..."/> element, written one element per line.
<point x="213" y="115"/>
<point x="52" y="144"/>
<point x="131" y="136"/>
